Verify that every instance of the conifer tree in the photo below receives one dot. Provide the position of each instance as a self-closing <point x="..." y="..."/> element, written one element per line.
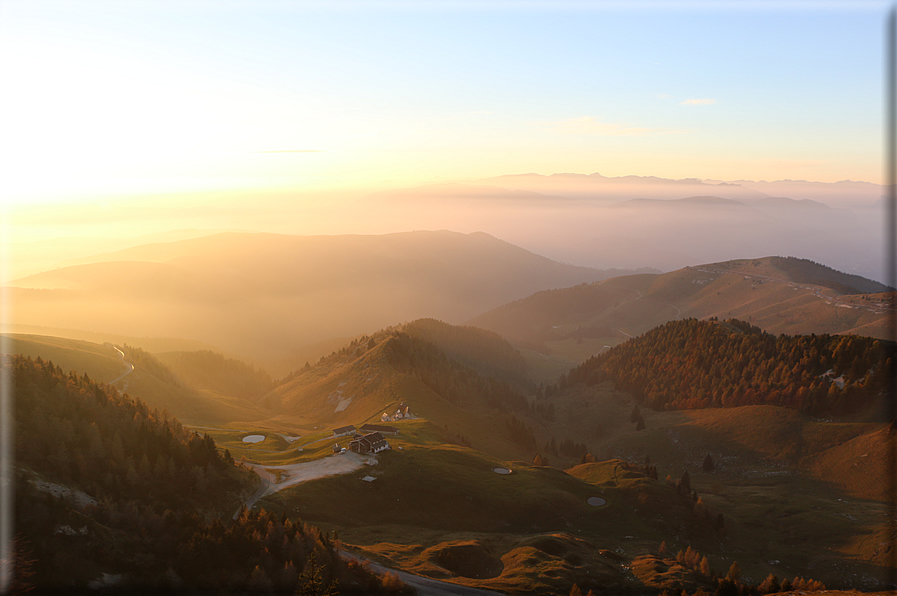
<point x="734" y="573"/>
<point x="770" y="585"/>
<point x="685" y="482"/>
<point x="705" y="567"/>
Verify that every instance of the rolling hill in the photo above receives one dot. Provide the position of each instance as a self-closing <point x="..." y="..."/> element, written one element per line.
<point x="150" y="380"/>
<point x="528" y="531"/>
<point x="470" y="402"/>
<point x="209" y="370"/>
<point x="264" y="296"/>
<point x="800" y="495"/>
<point x="780" y="295"/>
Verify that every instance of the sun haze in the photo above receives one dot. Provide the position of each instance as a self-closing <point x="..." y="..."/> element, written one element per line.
<point x="113" y="100"/>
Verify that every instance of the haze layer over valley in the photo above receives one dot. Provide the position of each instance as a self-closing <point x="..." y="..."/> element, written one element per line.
<point x="593" y="221"/>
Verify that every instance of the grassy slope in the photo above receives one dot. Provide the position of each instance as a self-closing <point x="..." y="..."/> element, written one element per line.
<point x="484" y="351"/>
<point x="150" y="344"/>
<point x="818" y="521"/>
<point x="806" y="493"/>
<point x="637" y="303"/>
<point x="365" y="385"/>
<point x="440" y="510"/>
<point x="102" y="363"/>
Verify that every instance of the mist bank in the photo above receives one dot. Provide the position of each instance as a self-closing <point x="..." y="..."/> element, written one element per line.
<point x="595" y="187"/>
<point x="652" y="230"/>
<point x="591" y="220"/>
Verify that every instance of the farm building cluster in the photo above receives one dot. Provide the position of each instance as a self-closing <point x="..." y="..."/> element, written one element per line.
<point x="366" y="439"/>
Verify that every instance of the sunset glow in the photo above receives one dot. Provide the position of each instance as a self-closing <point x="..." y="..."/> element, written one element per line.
<point x="445" y="297"/>
<point x="111" y="100"/>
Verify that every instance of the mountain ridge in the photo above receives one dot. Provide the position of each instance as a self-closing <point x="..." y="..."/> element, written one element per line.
<point x="779" y="294"/>
<point x="263" y="296"/>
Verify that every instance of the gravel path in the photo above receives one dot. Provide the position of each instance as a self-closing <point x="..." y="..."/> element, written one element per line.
<point x="332" y="465"/>
<point x="293" y="474"/>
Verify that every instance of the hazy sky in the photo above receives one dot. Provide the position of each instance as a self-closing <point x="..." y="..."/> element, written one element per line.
<point x="117" y="98"/>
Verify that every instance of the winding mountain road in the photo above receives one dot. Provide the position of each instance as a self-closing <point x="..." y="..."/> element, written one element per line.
<point x="121" y="356"/>
<point x="267" y="482"/>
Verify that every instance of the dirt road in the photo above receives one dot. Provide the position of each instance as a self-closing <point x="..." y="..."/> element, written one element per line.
<point x="293" y="474"/>
<point x="332" y="465"/>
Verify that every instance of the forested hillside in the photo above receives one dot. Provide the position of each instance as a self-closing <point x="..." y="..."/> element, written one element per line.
<point x="484" y="351"/>
<point x="453" y="381"/>
<point x="110" y="490"/>
<point x="700" y="364"/>
<point x="85" y="434"/>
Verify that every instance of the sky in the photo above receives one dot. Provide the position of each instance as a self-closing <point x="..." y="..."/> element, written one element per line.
<point x="107" y="100"/>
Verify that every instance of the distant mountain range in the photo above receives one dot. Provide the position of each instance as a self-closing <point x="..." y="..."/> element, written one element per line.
<point x="634" y="222"/>
<point x="596" y="186"/>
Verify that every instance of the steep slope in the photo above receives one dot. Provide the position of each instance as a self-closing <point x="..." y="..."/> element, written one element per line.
<point x="859" y="465"/>
<point x="266" y="295"/>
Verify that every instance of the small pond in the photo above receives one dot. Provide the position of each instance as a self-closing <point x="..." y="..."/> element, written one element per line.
<point x="253" y="438"/>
